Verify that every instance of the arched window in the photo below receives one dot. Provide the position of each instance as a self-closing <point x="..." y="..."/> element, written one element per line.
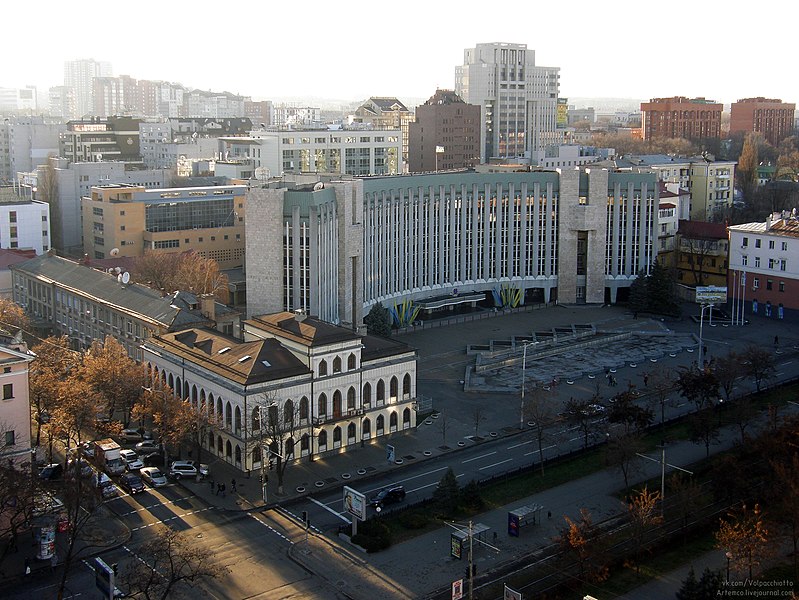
<point x="337" y="437"/>
<point x="322" y="440"/>
<point x="203" y="406"/>
<point x="219" y="444"/>
<point x="392" y="421"/>
<point x="381" y="392"/>
<point x="351" y="362"/>
<point x="305" y="447"/>
<point x="380" y="425"/>
<point x="256" y="419"/>
<point x="271" y="416"/>
<point x="256" y="455"/>
<point x="289" y="449"/>
<point x="304" y="408"/>
<point x="178" y="388"/>
<point x="321" y="407"/>
<point x="228" y="450"/>
<point x="171" y="382"/>
<point x="351" y="399"/>
<point x="288" y="413"/>
<point x="367" y="429"/>
<point x="194" y="395"/>
<point x="210" y="440"/>
<point x="406" y="387"/>
<point x="219" y="410"/>
<point x="337" y="365"/>
<point x="237" y="420"/>
<point x="228" y="415"/>
<point x="406" y="418"/>
<point x="351" y="433"/>
<point x="394" y="389"/>
<point x="237" y="456"/>
<point x="337" y="404"/>
<point x="367" y="394"/>
<point x="322" y="368"/>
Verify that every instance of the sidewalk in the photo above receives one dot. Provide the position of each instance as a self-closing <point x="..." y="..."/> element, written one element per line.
<point x="666" y="585"/>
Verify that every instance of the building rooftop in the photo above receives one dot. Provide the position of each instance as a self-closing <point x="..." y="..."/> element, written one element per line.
<point x="167" y="311"/>
<point x="245" y="363"/>
<point x="783" y="227"/>
<point x="702" y="230"/>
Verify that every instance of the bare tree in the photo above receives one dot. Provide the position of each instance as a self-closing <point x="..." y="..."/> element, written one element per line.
<point x="47" y="191"/>
<point x="661" y="382"/>
<point x="279" y="431"/>
<point x="538" y="410"/>
<point x="581" y="414"/>
<point x="187" y="271"/>
<point x="583" y="541"/>
<point x="53" y="364"/>
<point x="169" y="559"/>
<point x="478" y="416"/>
<point x="727" y="369"/>
<point x="623" y="451"/>
<point x="18" y="488"/>
<point x="758" y="364"/>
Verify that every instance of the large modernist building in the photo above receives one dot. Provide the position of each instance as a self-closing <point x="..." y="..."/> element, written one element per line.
<point x="518" y="99"/>
<point x="681" y="117"/>
<point x="772" y="118"/>
<point x="125" y="220"/>
<point x="336" y="248"/>
<point x="326" y="387"/>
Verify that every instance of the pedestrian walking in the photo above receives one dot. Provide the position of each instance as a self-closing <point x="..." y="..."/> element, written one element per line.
<point x="223" y="490"/>
<point x="218" y="488"/>
<point x="53" y="562"/>
<point x="211" y="481"/>
<point x="776" y="341"/>
<point x="646" y="379"/>
<point x="233" y="485"/>
<point x="549" y="514"/>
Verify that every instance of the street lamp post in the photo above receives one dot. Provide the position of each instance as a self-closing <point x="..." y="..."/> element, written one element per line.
<point x="701" y="323"/>
<point x="524" y="367"/>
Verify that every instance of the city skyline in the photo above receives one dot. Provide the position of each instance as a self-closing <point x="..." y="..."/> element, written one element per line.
<point x="349" y="54"/>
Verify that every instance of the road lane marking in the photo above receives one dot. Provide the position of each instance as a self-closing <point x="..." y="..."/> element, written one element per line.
<point x="397" y="482"/>
<point x="431" y="484"/>
<point x="272" y="529"/>
<point x="164" y="521"/>
<point x="150" y="507"/>
<point x="517" y="445"/>
<point x="545" y="448"/>
<point x="463" y="462"/>
<point x="330" y="510"/>
<point x="495" y="464"/>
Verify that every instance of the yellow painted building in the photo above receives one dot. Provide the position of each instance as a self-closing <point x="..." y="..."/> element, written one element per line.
<point x="125" y="220"/>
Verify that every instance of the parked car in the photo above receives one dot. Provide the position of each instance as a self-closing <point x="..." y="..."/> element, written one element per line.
<point x="131" y="460"/>
<point x="79" y="465"/>
<point x="131" y="483"/>
<point x="386" y="496"/>
<point x="105" y="485"/>
<point x="131" y="435"/>
<point x="51" y="471"/>
<point x="153" y="459"/>
<point x="87" y="449"/>
<point x="153" y="476"/>
<point x="187" y="468"/>
<point x="147" y="446"/>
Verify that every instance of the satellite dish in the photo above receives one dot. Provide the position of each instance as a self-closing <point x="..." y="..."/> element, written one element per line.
<point x="119" y="278"/>
<point x="118" y="270"/>
<point x="262" y="174"/>
<point x="318" y="186"/>
<point x="114" y="252"/>
<point x="110" y="269"/>
<point x="125" y="277"/>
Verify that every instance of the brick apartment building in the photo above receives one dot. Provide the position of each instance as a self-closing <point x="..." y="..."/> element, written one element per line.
<point x="680" y="117"/>
<point x="773" y="118"/>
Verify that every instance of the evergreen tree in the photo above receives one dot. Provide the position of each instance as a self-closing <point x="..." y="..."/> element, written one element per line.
<point x="709" y="584"/>
<point x="690" y="587"/>
<point x="447" y="493"/>
<point x="638" y="296"/>
<point x="378" y="321"/>
<point x="660" y="291"/>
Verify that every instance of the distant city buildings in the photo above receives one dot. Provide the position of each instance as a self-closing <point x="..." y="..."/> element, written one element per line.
<point x="14" y="100"/>
<point x="97" y="139"/>
<point x="386" y="113"/>
<point x="26" y="142"/>
<point x="79" y="76"/>
<point x="24" y="223"/>
<point x="680" y="117"/>
<point x="517" y="98"/>
<point x="444" y="135"/>
<point x="772" y="118"/>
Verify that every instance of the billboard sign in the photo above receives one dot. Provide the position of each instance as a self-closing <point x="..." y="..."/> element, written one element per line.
<point x="562" y="118"/>
<point x="711" y="294"/>
<point x="355" y="503"/>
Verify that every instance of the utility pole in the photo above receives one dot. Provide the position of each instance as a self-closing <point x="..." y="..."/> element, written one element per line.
<point x="263" y="454"/>
<point x="471" y="561"/>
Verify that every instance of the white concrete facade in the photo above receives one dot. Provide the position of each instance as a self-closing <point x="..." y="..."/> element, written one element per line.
<point x="572" y="235"/>
<point x="518" y="99"/>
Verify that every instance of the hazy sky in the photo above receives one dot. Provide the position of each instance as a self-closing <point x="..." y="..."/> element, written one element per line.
<point x="351" y="50"/>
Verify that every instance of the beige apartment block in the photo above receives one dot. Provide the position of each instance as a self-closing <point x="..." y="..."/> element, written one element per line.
<point x="126" y="220"/>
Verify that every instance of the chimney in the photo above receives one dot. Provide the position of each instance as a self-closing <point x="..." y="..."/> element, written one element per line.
<point x="299" y="315"/>
<point x="208" y="306"/>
